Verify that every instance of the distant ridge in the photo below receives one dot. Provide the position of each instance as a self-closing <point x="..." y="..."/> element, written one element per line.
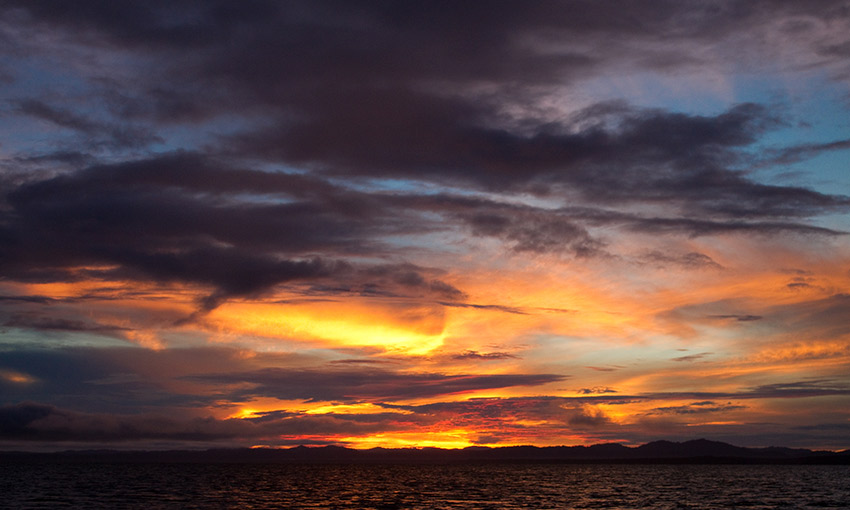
<point x="698" y="451"/>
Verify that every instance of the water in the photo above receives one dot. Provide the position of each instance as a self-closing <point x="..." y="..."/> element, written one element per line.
<point x="491" y="486"/>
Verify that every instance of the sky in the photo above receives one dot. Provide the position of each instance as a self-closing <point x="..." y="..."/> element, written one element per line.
<point x="417" y="224"/>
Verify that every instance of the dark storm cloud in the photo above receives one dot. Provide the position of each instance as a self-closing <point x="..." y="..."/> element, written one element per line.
<point x="373" y="90"/>
<point x="632" y="155"/>
<point x="407" y="107"/>
<point x="182" y="218"/>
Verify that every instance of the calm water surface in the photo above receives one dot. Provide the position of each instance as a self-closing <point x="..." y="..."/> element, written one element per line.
<point x="492" y="486"/>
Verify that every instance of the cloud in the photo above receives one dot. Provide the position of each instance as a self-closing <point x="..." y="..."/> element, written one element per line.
<point x="60" y="324"/>
<point x="164" y="153"/>
<point x="596" y="390"/>
<point x="693" y="260"/>
<point x="805" y="151"/>
<point x="94" y="133"/>
<point x="506" y="418"/>
<point x="182" y="218"/>
<point x="41" y="300"/>
<point x="693" y="357"/>
<point x="704" y="407"/>
<point x="38" y="422"/>
<point x="364" y="384"/>
<point x="818" y="318"/>
<point x="485" y="356"/>
<point x="125" y="379"/>
<point x="192" y="378"/>
<point x="30" y="421"/>
<point x="409" y="109"/>
<point x="606" y="369"/>
<point x="795" y="389"/>
<point x="739" y="318"/>
<point x="498" y="308"/>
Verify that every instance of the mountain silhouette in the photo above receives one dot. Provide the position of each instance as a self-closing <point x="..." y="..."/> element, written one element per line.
<point x="698" y="451"/>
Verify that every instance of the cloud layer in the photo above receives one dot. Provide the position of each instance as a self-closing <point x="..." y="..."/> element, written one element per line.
<point x="437" y="224"/>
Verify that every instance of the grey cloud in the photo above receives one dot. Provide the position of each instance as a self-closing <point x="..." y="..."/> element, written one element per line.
<point x="497" y="415"/>
<point x="805" y="151"/>
<point x="77" y="378"/>
<point x="406" y="111"/>
<point x="30" y="421"/>
<point x="596" y="390"/>
<point x="312" y="121"/>
<point x="44" y="423"/>
<point x="796" y="389"/>
<point x="180" y="217"/>
<point x="820" y="318"/>
<point x="723" y="313"/>
<point x="693" y="357"/>
<point x="94" y="133"/>
<point x="483" y="356"/>
<point x="357" y="361"/>
<point x="690" y="260"/>
<point x="498" y="308"/>
<point x="383" y="120"/>
<point x="737" y="317"/>
<point x="703" y="407"/>
<point x="536" y="234"/>
<point x="364" y="384"/>
<point x="60" y="324"/>
<point x="41" y="300"/>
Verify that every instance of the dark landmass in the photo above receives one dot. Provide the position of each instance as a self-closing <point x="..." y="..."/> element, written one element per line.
<point x="699" y="451"/>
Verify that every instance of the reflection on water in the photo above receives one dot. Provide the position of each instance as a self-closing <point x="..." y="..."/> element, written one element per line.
<point x="493" y="486"/>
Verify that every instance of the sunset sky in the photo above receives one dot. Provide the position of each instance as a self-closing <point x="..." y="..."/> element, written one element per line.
<point x="436" y="223"/>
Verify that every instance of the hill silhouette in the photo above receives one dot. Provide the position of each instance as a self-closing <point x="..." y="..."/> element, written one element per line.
<point x="698" y="451"/>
